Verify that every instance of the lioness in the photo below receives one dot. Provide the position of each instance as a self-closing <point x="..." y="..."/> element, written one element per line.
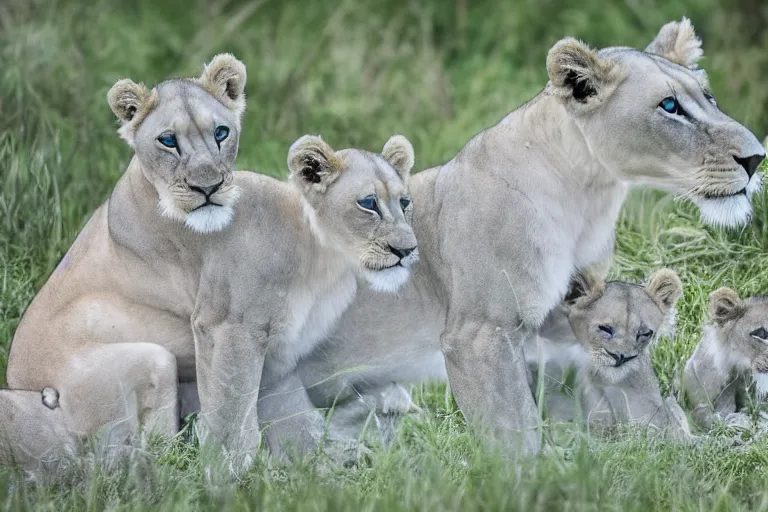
<point x="525" y="204"/>
<point x="610" y="328"/>
<point x="191" y="271"/>
<point x="732" y="347"/>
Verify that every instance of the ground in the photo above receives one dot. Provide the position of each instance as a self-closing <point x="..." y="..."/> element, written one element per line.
<point x="356" y="73"/>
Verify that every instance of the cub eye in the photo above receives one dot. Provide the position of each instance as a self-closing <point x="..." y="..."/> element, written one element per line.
<point x="405" y="202"/>
<point x="168" y="140"/>
<point x="644" y="334"/>
<point x="760" y="333"/>
<point x="369" y="203"/>
<point x="606" y="331"/>
<point x="710" y="98"/>
<point x="220" y="133"/>
<point x="672" y="106"/>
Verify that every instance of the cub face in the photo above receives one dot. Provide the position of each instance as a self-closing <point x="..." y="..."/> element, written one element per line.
<point x="616" y="321"/>
<point x="185" y="133"/>
<point x="359" y="203"/>
<point x="651" y="118"/>
<point x="742" y="328"/>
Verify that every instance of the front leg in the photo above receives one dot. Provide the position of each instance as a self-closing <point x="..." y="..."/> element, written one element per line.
<point x="701" y="394"/>
<point x="230" y="358"/>
<point x="488" y="376"/>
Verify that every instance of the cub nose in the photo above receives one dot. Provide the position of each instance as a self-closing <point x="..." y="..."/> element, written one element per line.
<point x="401" y="253"/>
<point x="750" y="163"/>
<point x="621" y="358"/>
<point x="207" y="191"/>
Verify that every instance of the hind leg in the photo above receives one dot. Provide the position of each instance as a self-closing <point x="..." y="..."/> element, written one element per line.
<point x="31" y="433"/>
<point x="130" y="385"/>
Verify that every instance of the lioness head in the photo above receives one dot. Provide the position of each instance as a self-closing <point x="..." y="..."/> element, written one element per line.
<point x="742" y="328"/>
<point x="359" y="203"/>
<point x="650" y="117"/>
<point x="617" y="321"/>
<point x="185" y="134"/>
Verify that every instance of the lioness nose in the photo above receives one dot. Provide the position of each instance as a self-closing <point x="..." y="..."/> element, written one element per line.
<point x="750" y="163"/>
<point x="401" y="253"/>
<point x="207" y="191"/>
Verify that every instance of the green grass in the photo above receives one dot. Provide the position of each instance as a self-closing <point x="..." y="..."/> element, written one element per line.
<point x="357" y="72"/>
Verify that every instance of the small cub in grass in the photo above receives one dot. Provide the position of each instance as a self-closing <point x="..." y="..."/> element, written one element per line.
<point x="732" y="352"/>
<point x="610" y="327"/>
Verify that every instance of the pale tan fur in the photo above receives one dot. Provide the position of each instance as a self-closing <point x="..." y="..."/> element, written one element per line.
<point x="731" y="354"/>
<point x="224" y="78"/>
<point x="610" y="391"/>
<point x="524" y="205"/>
<point x="677" y="42"/>
<point x="144" y="301"/>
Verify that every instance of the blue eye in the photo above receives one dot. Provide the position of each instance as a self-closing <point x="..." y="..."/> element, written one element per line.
<point x="369" y="203"/>
<point x="405" y="202"/>
<point x="672" y="106"/>
<point x="168" y="140"/>
<point x="220" y="133"/>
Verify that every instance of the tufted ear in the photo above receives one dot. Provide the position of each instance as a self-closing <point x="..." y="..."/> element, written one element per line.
<point x="664" y="287"/>
<point x="224" y="77"/>
<point x="398" y="151"/>
<point x="678" y="43"/>
<point x="576" y="71"/>
<point x="586" y="287"/>
<point x="725" y="305"/>
<point x="130" y="102"/>
<point x="313" y="163"/>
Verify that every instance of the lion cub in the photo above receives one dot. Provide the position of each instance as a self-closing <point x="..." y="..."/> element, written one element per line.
<point x="732" y="347"/>
<point x="611" y="327"/>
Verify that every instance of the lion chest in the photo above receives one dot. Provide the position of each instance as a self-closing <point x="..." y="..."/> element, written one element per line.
<point x="595" y="240"/>
<point x="314" y="313"/>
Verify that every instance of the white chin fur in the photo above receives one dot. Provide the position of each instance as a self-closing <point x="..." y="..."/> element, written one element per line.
<point x="761" y="384"/>
<point x="388" y="280"/>
<point x="730" y="212"/>
<point x="209" y="219"/>
<point x="727" y="212"/>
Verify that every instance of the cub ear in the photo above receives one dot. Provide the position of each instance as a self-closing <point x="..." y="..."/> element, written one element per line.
<point x="677" y="42"/>
<point x="725" y="305"/>
<point x="398" y="151"/>
<point x="664" y="287"/>
<point x="313" y="163"/>
<point x="586" y="287"/>
<point x="224" y="77"/>
<point x="130" y="102"/>
<point x="576" y="71"/>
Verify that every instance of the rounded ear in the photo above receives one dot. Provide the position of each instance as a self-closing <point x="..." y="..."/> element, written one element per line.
<point x="677" y="42"/>
<point x="398" y="151"/>
<point x="586" y="287"/>
<point x="313" y="163"/>
<point x="127" y="99"/>
<point x="224" y="77"/>
<point x="130" y="102"/>
<point x="576" y="71"/>
<point x="725" y="305"/>
<point x="664" y="287"/>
